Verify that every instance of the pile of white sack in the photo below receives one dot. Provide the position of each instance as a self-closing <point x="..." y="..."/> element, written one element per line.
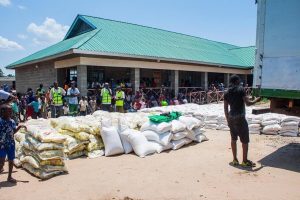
<point x="290" y="126"/>
<point x="151" y="138"/>
<point x="212" y="115"/>
<point x="222" y="124"/>
<point x="254" y="123"/>
<point x="41" y="150"/>
<point x="271" y="123"/>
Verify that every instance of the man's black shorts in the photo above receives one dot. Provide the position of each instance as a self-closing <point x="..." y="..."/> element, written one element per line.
<point x="239" y="128"/>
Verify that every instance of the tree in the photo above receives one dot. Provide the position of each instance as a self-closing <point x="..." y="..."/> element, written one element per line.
<point x="1" y="73"/>
<point x="10" y="75"/>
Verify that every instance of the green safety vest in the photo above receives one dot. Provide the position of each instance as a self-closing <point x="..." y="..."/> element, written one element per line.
<point x="119" y="100"/>
<point x="164" y="103"/>
<point x="57" y="97"/>
<point x="106" y="97"/>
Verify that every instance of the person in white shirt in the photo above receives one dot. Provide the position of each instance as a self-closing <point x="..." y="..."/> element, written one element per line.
<point x="73" y="94"/>
<point x="83" y="103"/>
<point x="6" y="97"/>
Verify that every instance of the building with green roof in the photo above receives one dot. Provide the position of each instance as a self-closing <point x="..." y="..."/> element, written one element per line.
<point x="101" y="50"/>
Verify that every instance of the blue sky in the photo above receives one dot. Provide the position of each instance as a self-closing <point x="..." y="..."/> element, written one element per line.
<point x="30" y="25"/>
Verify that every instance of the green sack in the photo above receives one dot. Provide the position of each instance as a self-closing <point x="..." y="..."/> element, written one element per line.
<point x="165" y="117"/>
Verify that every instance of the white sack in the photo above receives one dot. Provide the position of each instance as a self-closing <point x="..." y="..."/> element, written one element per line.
<point x="180" y="135"/>
<point x="140" y="145"/>
<point x="190" y="122"/>
<point x="158" y="128"/>
<point x="177" y="126"/>
<point x="162" y="139"/>
<point x="112" y="141"/>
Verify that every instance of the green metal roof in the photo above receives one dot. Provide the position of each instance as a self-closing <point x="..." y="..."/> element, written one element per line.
<point x="245" y="54"/>
<point x="93" y="34"/>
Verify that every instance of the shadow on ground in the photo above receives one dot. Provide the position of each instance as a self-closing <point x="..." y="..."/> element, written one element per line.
<point x="286" y="157"/>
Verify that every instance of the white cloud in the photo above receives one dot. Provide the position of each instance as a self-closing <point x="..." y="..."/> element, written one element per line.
<point x="22" y="36"/>
<point x="6" y="44"/>
<point x="22" y="7"/>
<point x="5" y="2"/>
<point x="48" y="32"/>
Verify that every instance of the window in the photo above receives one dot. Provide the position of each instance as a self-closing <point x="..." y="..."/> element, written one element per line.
<point x="72" y="74"/>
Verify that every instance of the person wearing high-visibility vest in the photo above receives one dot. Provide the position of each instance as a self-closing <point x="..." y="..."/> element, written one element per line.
<point x="120" y="96"/>
<point x="56" y="98"/>
<point x="106" y="96"/>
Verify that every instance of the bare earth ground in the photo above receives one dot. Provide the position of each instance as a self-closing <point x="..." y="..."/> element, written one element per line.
<point x="194" y="172"/>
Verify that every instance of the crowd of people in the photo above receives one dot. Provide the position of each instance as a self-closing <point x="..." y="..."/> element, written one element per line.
<point x="57" y="101"/>
<point x="67" y="100"/>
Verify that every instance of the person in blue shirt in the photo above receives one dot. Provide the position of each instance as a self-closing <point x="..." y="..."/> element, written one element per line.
<point x="7" y="142"/>
<point x="36" y="108"/>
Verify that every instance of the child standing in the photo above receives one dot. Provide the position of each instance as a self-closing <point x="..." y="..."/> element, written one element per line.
<point x="83" y="106"/>
<point x="7" y="142"/>
<point x="66" y="109"/>
<point x="93" y="104"/>
<point x="43" y="107"/>
<point x="36" y="108"/>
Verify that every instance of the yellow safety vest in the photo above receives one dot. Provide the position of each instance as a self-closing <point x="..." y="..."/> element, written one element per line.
<point x="119" y="98"/>
<point x="57" y="97"/>
<point x="106" y="97"/>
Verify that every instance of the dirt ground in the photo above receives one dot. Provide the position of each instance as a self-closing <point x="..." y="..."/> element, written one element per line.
<point x="194" y="172"/>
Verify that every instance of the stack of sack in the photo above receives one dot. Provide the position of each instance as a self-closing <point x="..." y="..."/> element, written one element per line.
<point x="222" y="123"/>
<point x="194" y="129"/>
<point x="290" y="126"/>
<point x="271" y="124"/>
<point x="82" y="136"/>
<point x="19" y="139"/>
<point x="156" y="136"/>
<point x="199" y="115"/>
<point x="211" y="122"/>
<point x="254" y="123"/>
<point x="43" y="152"/>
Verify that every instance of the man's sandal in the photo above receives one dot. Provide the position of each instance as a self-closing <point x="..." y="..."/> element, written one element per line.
<point x="248" y="163"/>
<point x="1" y="170"/>
<point x="12" y="180"/>
<point x="234" y="163"/>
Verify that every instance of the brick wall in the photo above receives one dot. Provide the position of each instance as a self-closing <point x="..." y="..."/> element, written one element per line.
<point x="33" y="75"/>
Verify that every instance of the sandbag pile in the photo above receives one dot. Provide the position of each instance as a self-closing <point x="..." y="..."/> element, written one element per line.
<point x="289" y="126"/>
<point x="151" y="138"/>
<point x="213" y="117"/>
<point x="82" y="136"/>
<point x="19" y="139"/>
<point x="222" y="124"/>
<point x="211" y="122"/>
<point x="271" y="124"/>
<point x="43" y="152"/>
<point x="254" y="123"/>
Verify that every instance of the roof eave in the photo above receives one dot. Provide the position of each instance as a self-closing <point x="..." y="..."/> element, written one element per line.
<point x="158" y="59"/>
<point x="65" y="53"/>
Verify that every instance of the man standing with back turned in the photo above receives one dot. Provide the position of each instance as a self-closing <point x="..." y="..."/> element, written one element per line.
<point x="236" y="98"/>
